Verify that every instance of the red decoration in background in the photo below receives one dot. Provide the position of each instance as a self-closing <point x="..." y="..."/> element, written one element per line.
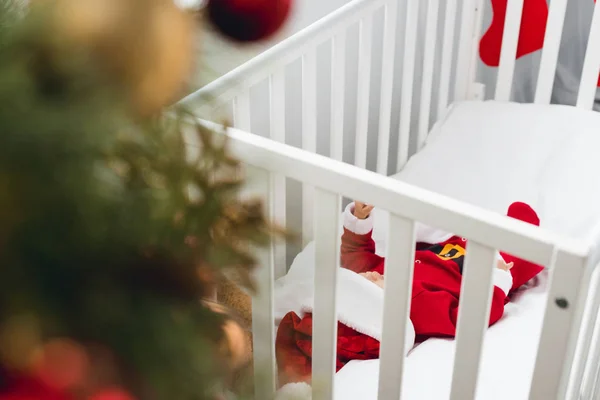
<point x="112" y="394"/>
<point x="61" y="364"/>
<point x="28" y="388"/>
<point x="248" y="20"/>
<point x="531" y="35"/>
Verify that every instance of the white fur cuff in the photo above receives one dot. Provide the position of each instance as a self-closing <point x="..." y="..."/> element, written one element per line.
<point x="294" y="391"/>
<point x="502" y="279"/>
<point x="355" y="225"/>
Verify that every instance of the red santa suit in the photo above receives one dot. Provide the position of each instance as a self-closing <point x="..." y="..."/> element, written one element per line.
<point x="435" y="293"/>
<point x="437" y="271"/>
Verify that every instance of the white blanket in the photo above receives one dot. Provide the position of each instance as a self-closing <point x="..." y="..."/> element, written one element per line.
<point x="359" y="301"/>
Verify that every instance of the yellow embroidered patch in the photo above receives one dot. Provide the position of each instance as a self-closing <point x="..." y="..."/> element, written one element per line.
<point x="451" y="251"/>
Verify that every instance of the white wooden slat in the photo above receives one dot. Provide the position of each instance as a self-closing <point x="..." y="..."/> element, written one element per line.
<point x="591" y="353"/>
<point x="277" y="114"/>
<point x="338" y="80"/>
<point x="447" y="53"/>
<point x="596" y="390"/>
<point x="327" y="250"/>
<point x="427" y="75"/>
<point x="408" y="69"/>
<point x="396" y="308"/>
<point x="587" y="344"/>
<point x="591" y="64"/>
<point x="262" y="302"/>
<point x="241" y="112"/>
<point x="473" y="318"/>
<point x="387" y="77"/>
<point x="508" y="51"/>
<point x="309" y="134"/>
<point x="564" y="310"/>
<point x="364" y="85"/>
<point x="549" y="59"/>
<point x="465" y="47"/>
<point x="475" y="90"/>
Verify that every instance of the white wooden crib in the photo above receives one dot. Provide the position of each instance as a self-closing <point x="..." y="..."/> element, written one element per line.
<point x="568" y="356"/>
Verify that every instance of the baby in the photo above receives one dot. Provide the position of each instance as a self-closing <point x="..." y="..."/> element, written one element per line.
<point x="438" y="269"/>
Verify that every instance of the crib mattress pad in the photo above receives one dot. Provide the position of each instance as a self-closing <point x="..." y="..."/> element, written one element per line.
<point x="493" y="153"/>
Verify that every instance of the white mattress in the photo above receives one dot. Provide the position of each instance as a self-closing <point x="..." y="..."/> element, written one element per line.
<point x="491" y="154"/>
<point x="506" y="368"/>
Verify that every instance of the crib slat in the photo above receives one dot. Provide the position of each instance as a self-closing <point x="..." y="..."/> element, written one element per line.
<point x="465" y="47"/>
<point x="427" y="77"/>
<point x="364" y="85"/>
<point x="596" y="389"/>
<point x="585" y="351"/>
<point x="277" y="113"/>
<point x="387" y="76"/>
<point x="309" y="134"/>
<point x="564" y="311"/>
<point x="327" y="250"/>
<point x="473" y="317"/>
<point x="396" y="306"/>
<point x="262" y="301"/>
<point x="588" y="353"/>
<point x="241" y="112"/>
<point x="408" y="69"/>
<point x="508" y="52"/>
<point x="591" y="64"/>
<point x="447" y="54"/>
<point x="549" y="59"/>
<point x="338" y="80"/>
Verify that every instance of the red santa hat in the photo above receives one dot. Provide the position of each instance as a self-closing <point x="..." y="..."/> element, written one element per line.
<point x="522" y="271"/>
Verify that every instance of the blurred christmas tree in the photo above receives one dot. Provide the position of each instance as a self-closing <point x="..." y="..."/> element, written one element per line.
<point x="104" y="254"/>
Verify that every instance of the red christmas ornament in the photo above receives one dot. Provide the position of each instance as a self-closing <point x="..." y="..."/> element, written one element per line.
<point x="113" y="393"/>
<point x="61" y="364"/>
<point x="29" y="388"/>
<point x="248" y="20"/>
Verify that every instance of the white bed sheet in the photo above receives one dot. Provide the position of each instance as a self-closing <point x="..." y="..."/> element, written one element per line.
<point x="491" y="154"/>
<point x="507" y="364"/>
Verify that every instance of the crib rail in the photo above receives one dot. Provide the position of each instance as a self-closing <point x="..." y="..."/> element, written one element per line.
<point x="486" y="231"/>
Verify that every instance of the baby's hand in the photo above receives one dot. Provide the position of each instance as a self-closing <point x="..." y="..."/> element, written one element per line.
<point x="504" y="266"/>
<point x="362" y="210"/>
<point x="374" y="277"/>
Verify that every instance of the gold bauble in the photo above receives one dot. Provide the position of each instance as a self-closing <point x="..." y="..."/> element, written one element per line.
<point x="19" y="338"/>
<point x="146" y="46"/>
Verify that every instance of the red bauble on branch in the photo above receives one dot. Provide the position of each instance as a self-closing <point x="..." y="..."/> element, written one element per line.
<point x="114" y="393"/>
<point x="248" y="20"/>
